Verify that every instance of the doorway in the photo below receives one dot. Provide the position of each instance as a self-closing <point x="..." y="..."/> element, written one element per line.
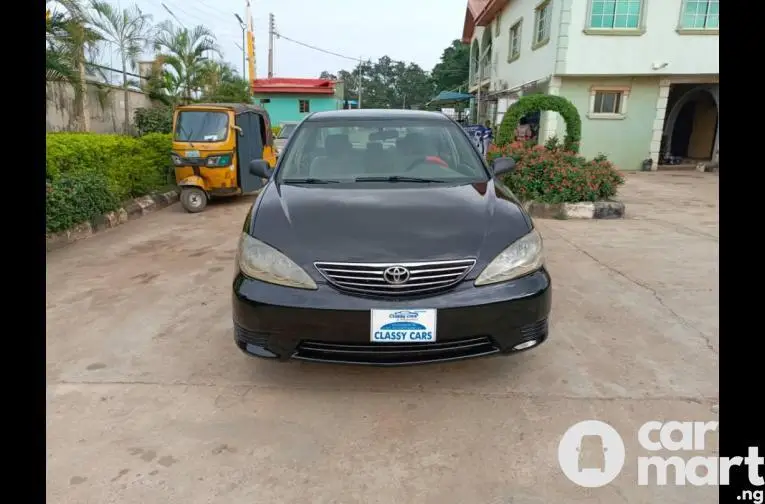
<point x="691" y="128"/>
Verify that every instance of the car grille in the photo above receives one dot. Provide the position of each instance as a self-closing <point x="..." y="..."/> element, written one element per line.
<point x="395" y="354"/>
<point x="370" y="278"/>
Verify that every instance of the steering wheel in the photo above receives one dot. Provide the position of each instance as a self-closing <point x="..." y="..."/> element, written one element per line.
<point x="429" y="160"/>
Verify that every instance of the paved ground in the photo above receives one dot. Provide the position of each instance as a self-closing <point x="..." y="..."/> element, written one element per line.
<point x="150" y="401"/>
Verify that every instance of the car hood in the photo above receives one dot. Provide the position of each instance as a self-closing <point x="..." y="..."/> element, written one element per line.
<point x="384" y="223"/>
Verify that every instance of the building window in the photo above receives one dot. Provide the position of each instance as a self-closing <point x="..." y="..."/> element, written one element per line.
<point x="608" y="102"/>
<point x="303" y="106"/>
<point x="514" y="49"/>
<point x="265" y="100"/>
<point x="700" y="15"/>
<point x="497" y="22"/>
<point x="542" y="18"/>
<point x="615" y="14"/>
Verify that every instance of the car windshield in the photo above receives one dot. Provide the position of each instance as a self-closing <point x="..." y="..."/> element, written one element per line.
<point x="384" y="150"/>
<point x="286" y="130"/>
<point x="201" y="126"/>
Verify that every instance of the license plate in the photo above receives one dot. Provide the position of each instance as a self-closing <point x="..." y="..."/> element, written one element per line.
<point x="192" y="153"/>
<point x="403" y="326"/>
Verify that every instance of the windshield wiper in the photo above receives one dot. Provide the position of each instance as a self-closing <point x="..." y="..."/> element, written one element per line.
<point x="309" y="181"/>
<point x="397" y="178"/>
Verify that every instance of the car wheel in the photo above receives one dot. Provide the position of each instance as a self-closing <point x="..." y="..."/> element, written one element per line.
<point x="194" y="199"/>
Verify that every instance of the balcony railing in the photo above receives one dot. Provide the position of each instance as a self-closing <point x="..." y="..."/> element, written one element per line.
<point x="485" y="71"/>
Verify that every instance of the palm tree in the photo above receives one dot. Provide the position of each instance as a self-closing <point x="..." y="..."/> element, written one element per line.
<point x="128" y="30"/>
<point x="221" y="83"/>
<point x="68" y="40"/>
<point x="185" y="51"/>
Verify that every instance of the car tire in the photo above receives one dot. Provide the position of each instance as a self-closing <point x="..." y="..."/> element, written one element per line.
<point x="193" y="199"/>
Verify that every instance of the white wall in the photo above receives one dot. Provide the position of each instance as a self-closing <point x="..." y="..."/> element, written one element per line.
<point x="634" y="55"/>
<point x="531" y="65"/>
<point x="105" y="107"/>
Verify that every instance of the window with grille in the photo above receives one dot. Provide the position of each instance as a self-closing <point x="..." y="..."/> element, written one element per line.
<point x="700" y="15"/>
<point x="514" y="49"/>
<point x="543" y="14"/>
<point x="303" y="106"/>
<point x="615" y="14"/>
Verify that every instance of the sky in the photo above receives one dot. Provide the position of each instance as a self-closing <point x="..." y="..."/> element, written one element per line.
<point x="406" y="30"/>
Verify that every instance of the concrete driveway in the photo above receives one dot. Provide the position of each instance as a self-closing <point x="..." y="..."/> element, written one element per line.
<point x="149" y="401"/>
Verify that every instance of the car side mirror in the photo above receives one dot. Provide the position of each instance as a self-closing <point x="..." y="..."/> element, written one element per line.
<point x="503" y="165"/>
<point x="260" y="168"/>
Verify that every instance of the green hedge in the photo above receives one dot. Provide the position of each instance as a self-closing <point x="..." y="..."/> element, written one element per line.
<point x="154" y="120"/>
<point x="276" y="130"/>
<point x="540" y="103"/>
<point x="89" y="174"/>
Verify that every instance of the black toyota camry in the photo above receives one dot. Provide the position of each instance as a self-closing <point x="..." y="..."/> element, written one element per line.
<point x="383" y="238"/>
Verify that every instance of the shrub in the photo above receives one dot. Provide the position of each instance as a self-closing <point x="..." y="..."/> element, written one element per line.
<point x="157" y="147"/>
<point x="557" y="175"/>
<point x="75" y="198"/>
<point x="541" y="103"/>
<point x="122" y="166"/>
<point x="276" y="130"/>
<point x="154" y="120"/>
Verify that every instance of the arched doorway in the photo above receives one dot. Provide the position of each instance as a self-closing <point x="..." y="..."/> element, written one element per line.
<point x="691" y="129"/>
<point x="486" y="53"/>
<point x="486" y="106"/>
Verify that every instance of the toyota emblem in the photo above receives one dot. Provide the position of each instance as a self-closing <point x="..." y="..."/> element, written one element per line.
<point x="396" y="275"/>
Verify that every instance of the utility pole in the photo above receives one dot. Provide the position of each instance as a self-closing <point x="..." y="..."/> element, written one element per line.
<point x="251" y="45"/>
<point x="359" y="84"/>
<point x="271" y="34"/>
<point x="243" y="26"/>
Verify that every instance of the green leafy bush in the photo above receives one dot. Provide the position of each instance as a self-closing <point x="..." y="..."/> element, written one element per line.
<point x="124" y="167"/>
<point x="540" y="103"/>
<point x="157" y="147"/>
<point x="154" y="120"/>
<point x="276" y="130"/>
<point x="76" y="198"/>
<point x="557" y="175"/>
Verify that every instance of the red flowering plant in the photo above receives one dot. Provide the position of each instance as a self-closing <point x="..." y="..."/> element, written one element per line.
<point x="552" y="174"/>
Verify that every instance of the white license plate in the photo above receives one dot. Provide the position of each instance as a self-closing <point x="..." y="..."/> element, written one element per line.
<point x="403" y="326"/>
<point x="192" y="153"/>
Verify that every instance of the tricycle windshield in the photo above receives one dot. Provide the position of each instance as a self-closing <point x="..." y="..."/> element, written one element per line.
<point x="201" y="126"/>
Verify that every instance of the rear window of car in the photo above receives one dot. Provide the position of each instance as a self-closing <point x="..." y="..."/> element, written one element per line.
<point x="286" y="130"/>
<point x="345" y="150"/>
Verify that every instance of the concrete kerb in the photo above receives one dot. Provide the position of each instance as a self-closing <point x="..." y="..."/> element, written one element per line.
<point x="130" y="210"/>
<point x="581" y="210"/>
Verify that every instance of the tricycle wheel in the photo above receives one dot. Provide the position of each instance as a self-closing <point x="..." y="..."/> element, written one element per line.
<point x="193" y="199"/>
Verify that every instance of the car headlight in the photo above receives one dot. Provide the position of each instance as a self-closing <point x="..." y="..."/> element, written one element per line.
<point x="263" y="262"/>
<point x="524" y="256"/>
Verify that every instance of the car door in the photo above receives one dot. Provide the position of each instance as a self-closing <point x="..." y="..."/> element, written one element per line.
<point x="249" y="147"/>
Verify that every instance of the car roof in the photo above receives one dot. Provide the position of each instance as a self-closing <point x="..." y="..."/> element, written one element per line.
<point x="377" y="114"/>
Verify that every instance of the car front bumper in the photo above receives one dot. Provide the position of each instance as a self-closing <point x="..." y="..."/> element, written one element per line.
<point x="326" y="325"/>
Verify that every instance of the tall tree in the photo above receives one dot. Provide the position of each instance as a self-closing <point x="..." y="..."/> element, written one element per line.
<point x="221" y="83"/>
<point x="68" y="39"/>
<point x="184" y="51"/>
<point x="128" y="30"/>
<point x="328" y="76"/>
<point x="454" y="68"/>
